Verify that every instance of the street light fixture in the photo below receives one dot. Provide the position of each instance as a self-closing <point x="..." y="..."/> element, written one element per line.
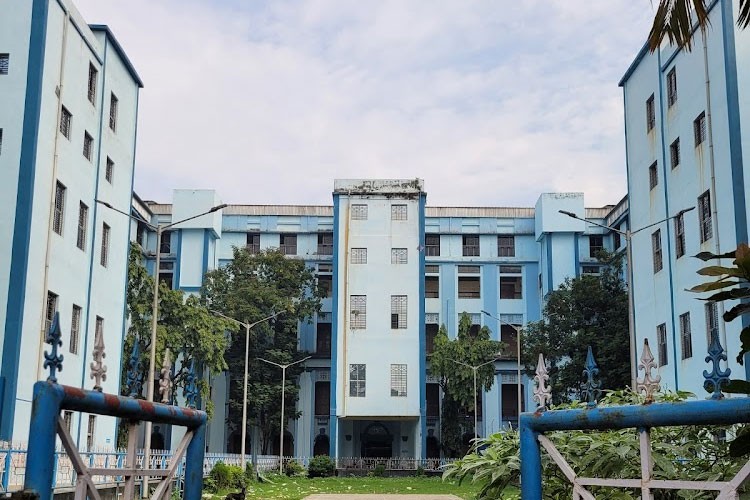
<point x="518" y="330"/>
<point x="474" y="368"/>
<point x="248" y="327"/>
<point x="159" y="228"/>
<point x="283" y="387"/>
<point x="628" y="235"/>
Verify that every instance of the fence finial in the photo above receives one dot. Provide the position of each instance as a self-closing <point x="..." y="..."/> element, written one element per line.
<point x="98" y="369"/>
<point x="165" y="381"/>
<point x="648" y="384"/>
<point x="717" y="377"/>
<point x="542" y="393"/>
<point x="591" y="389"/>
<point x="191" y="387"/>
<point x="134" y="378"/>
<point x="52" y="360"/>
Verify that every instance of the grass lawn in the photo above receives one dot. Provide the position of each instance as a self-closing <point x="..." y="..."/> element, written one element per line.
<point x="297" y="488"/>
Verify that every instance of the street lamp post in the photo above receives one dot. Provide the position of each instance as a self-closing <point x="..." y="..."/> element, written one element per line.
<point x="628" y="235"/>
<point x="474" y="369"/>
<point x="518" y="330"/>
<point x="248" y="327"/>
<point x="283" y="387"/>
<point x="159" y="228"/>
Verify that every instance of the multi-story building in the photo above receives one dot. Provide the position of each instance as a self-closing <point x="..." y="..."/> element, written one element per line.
<point x="687" y="117"/>
<point x="395" y="269"/>
<point x="68" y="112"/>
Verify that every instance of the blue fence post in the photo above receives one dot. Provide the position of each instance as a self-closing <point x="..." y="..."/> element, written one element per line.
<point x="194" y="464"/>
<point x="531" y="460"/>
<point x="6" y="469"/>
<point x="41" y="454"/>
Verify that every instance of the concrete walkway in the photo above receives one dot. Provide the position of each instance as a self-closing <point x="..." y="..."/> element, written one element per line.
<point x="380" y="496"/>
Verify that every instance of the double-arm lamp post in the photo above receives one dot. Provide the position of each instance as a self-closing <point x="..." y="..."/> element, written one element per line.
<point x="474" y="368"/>
<point x="159" y="229"/>
<point x="248" y="327"/>
<point x="518" y="329"/>
<point x="628" y="235"/>
<point x="283" y="387"/>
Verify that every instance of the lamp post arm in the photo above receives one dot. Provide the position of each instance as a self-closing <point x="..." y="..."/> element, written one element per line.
<point x="574" y="216"/>
<point x="130" y="216"/>
<point x="212" y="210"/>
<point x="663" y="220"/>
<point x="271" y="363"/>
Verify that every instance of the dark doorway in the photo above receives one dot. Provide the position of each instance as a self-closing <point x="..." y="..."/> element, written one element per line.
<point x="288" y="444"/>
<point x="322" y="445"/>
<point x="433" y="447"/>
<point x="377" y="441"/>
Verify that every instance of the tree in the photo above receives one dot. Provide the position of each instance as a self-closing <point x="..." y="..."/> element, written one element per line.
<point x="249" y="288"/>
<point x="457" y="381"/>
<point x="193" y="335"/>
<point x="674" y="21"/>
<point x="586" y="311"/>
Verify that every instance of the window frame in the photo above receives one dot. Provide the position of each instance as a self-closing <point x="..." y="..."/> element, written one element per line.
<point x="104" y="260"/>
<point x="650" y="114"/>
<point x="358" y="312"/>
<point x="88" y="145"/>
<point x="252" y="248"/>
<point x="399" y="312"/>
<point x="679" y="235"/>
<point x="357" y="380"/>
<point x="430" y="248"/>
<point x="399" y="256"/>
<point x="506" y="245"/>
<point x="399" y="380"/>
<point x="699" y="129"/>
<point x="674" y="153"/>
<point x="58" y="218"/>
<point x="358" y="211"/>
<point x="656" y="251"/>
<point x="653" y="175"/>
<point x="470" y="250"/>
<point x="508" y="280"/>
<point x="83" y="223"/>
<point x="358" y="255"/>
<point x="92" y="84"/>
<point x="109" y="170"/>
<point x="595" y="249"/>
<point x="711" y="310"/>
<point x="705" y="217"/>
<point x="469" y="294"/>
<point x="325" y="243"/>
<point x="432" y="286"/>
<point x="686" y="338"/>
<point x="399" y="211"/>
<point x="114" y="104"/>
<point x="4" y="63"/>
<point x="50" y="308"/>
<point x="672" y="87"/>
<point x="285" y="247"/>
<point x="66" y="122"/>
<point x="661" y="342"/>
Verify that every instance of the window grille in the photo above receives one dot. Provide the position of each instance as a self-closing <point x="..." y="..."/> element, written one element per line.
<point x="58" y="217"/>
<point x="65" y="119"/>
<point x="653" y="176"/>
<point x="253" y="243"/>
<point x="68" y="419"/>
<point x="432" y="287"/>
<point x="596" y="245"/>
<point x="325" y="268"/>
<point x="105" y="245"/>
<point x="672" y="87"/>
<point x="432" y="269"/>
<point x="324" y="317"/>
<point x="75" y="329"/>
<point x="359" y="256"/>
<point x="398" y="212"/>
<point x="468" y="269"/>
<point x="590" y="270"/>
<point x="398" y="311"/>
<point x="90" y="433"/>
<point x="109" y="172"/>
<point x="323" y="339"/>
<point x="359" y="212"/>
<point x="432" y="318"/>
<point x="510" y="269"/>
<point x="113" y="105"/>
<point x="470" y="246"/>
<point x="398" y="380"/>
<point x="399" y="256"/>
<point x="88" y="146"/>
<point x="469" y="287"/>
<point x="92" y="84"/>
<point x="679" y="235"/>
<point x="699" y="129"/>
<point x="325" y="283"/>
<point x="712" y="320"/>
<point x="661" y="338"/>
<point x="685" y="336"/>
<point x="432" y="245"/>
<point x="166" y="242"/>
<point x="358" y="312"/>
<point x="83" y="221"/>
<point x="704" y="216"/>
<point x="650" y="114"/>
<point x="357" y="380"/>
<point x="50" y="310"/>
<point x="511" y="287"/>
<point x="656" y="250"/>
<point x="674" y="153"/>
<point x="325" y="243"/>
<point x="506" y="246"/>
<point x="288" y="244"/>
<point x="4" y="64"/>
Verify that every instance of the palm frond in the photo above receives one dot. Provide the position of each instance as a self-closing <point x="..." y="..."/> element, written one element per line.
<point x="743" y="21"/>
<point x="674" y="20"/>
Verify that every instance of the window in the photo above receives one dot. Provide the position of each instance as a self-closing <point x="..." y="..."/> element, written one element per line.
<point x="510" y="287"/>
<point x="661" y="339"/>
<point x="325" y="284"/>
<point x="432" y="287"/>
<point x="679" y="235"/>
<point x="166" y="273"/>
<point x="590" y="270"/>
<point x="674" y="153"/>
<point x="288" y="244"/>
<point x="656" y="250"/>
<point x="672" y="87"/>
<point x="510" y="269"/>
<point x="399" y="256"/>
<point x="75" y="329"/>
<point x="113" y="102"/>
<point x="685" y="337"/>
<point x="398" y="311"/>
<point x="59" y="216"/>
<point x="83" y="221"/>
<point x="650" y="114"/>
<point x="431" y="331"/>
<point x="596" y="245"/>
<point x="471" y="246"/>
<point x="92" y="84"/>
<point x="359" y="212"/>
<point x="90" y="430"/>
<point x="325" y="267"/>
<point x="1" y="141"/>
<point x="4" y="64"/>
<point x="509" y="337"/>
<point x="704" y="216"/>
<point x="325" y="243"/>
<point x="431" y="269"/>
<point x="110" y="171"/>
<point x="65" y="119"/>
<point x="398" y="212"/>
<point x="359" y="256"/>
<point x="712" y="321"/>
<point x="506" y="246"/>
<point x="699" y="129"/>
<point x="50" y="310"/>
<point x="398" y="381"/>
<point x="166" y="242"/>
<point x="68" y="419"/>
<point x="358" y="314"/>
<point x="357" y="379"/>
<point x="322" y="399"/>
<point x="88" y="146"/>
<point x="253" y="243"/>
<point x="617" y="239"/>
<point x="653" y="176"/>
<point x="105" y="244"/>
<point x="99" y="332"/>
<point x="432" y="245"/>
<point x="468" y="287"/>
<point x="433" y="402"/>
<point x="323" y="339"/>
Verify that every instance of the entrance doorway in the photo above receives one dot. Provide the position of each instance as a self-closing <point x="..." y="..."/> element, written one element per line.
<point x="377" y="441"/>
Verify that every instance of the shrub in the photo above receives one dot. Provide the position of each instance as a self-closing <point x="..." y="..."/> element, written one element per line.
<point x="321" y="466"/>
<point x="420" y="471"/>
<point x="379" y="470"/>
<point x="209" y="485"/>
<point x="293" y="468"/>
<point x="224" y="477"/>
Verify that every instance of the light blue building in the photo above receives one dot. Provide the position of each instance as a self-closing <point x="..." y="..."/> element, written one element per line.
<point x="68" y="112"/>
<point x="395" y="269"/>
<point x="687" y="122"/>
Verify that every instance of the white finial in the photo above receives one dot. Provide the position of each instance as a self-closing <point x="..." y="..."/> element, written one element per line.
<point x="165" y="381"/>
<point x="98" y="369"/>
<point x="648" y="384"/>
<point x="542" y="393"/>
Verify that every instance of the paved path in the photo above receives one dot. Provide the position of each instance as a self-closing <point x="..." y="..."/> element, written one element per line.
<point x="380" y="496"/>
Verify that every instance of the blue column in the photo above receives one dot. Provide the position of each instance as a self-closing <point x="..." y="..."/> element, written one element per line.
<point x="194" y="464"/>
<point x="40" y="461"/>
<point x="531" y="462"/>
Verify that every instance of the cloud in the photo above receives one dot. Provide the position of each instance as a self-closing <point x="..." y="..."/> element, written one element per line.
<point x="491" y="103"/>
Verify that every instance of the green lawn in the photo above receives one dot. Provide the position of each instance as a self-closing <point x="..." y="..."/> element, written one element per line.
<point x="297" y="488"/>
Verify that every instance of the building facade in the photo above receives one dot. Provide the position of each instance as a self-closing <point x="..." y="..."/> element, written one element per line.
<point x="68" y="113"/>
<point x="395" y="270"/>
<point x="687" y="120"/>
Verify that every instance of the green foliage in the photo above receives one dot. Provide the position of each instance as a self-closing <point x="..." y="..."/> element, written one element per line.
<point x="687" y="452"/>
<point x="252" y="287"/>
<point x="585" y="311"/>
<point x="457" y="380"/>
<point x="224" y="477"/>
<point x="293" y="468"/>
<point x="321" y="466"/>
<point x="379" y="470"/>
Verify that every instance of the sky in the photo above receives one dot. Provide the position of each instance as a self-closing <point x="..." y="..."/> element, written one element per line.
<point x="490" y="102"/>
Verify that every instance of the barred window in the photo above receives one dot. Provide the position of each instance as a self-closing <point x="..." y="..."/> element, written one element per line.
<point x="359" y="256"/>
<point x="50" y="310"/>
<point x="712" y="321"/>
<point x="4" y="64"/>
<point x="704" y="216"/>
<point x="398" y="256"/>
<point x="596" y="245"/>
<point x="288" y="244"/>
<point x="432" y="269"/>
<point x="510" y="269"/>
<point x="83" y="222"/>
<point x="506" y="246"/>
<point x="661" y="339"/>
<point x="432" y="245"/>
<point x="468" y="269"/>
<point x="674" y="153"/>
<point x="685" y="336"/>
<point x="91" y="433"/>
<point x="398" y="311"/>
<point x="65" y="119"/>
<point x="92" y="84"/>
<point x="511" y="287"/>
<point x="75" y="329"/>
<point x="166" y="242"/>
<point x="699" y="129"/>
<point x="357" y="380"/>
<point x="653" y="176"/>
<point x="672" y="87"/>
<point x="398" y="380"/>
<point x="325" y="243"/>
<point x="105" y="245"/>
<point x="359" y="211"/>
<point x="650" y="114"/>
<point x="469" y="287"/>
<point x="358" y="312"/>
<point x="470" y="246"/>
<point x="110" y="171"/>
<point x="59" y="215"/>
<point x="398" y="212"/>
<point x="113" y="105"/>
<point x="68" y="419"/>
<point x="252" y="243"/>
<point x="590" y="270"/>
<point x="679" y="235"/>
<point x="432" y="287"/>
<point x="88" y="146"/>
<point x="656" y="250"/>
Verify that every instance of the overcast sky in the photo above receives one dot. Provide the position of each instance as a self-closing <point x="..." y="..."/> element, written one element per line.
<point x="490" y="102"/>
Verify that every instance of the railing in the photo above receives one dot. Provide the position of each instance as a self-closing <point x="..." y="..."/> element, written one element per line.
<point x="394" y="463"/>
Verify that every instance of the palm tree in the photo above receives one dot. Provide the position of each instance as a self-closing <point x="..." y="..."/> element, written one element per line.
<point x="674" y="20"/>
